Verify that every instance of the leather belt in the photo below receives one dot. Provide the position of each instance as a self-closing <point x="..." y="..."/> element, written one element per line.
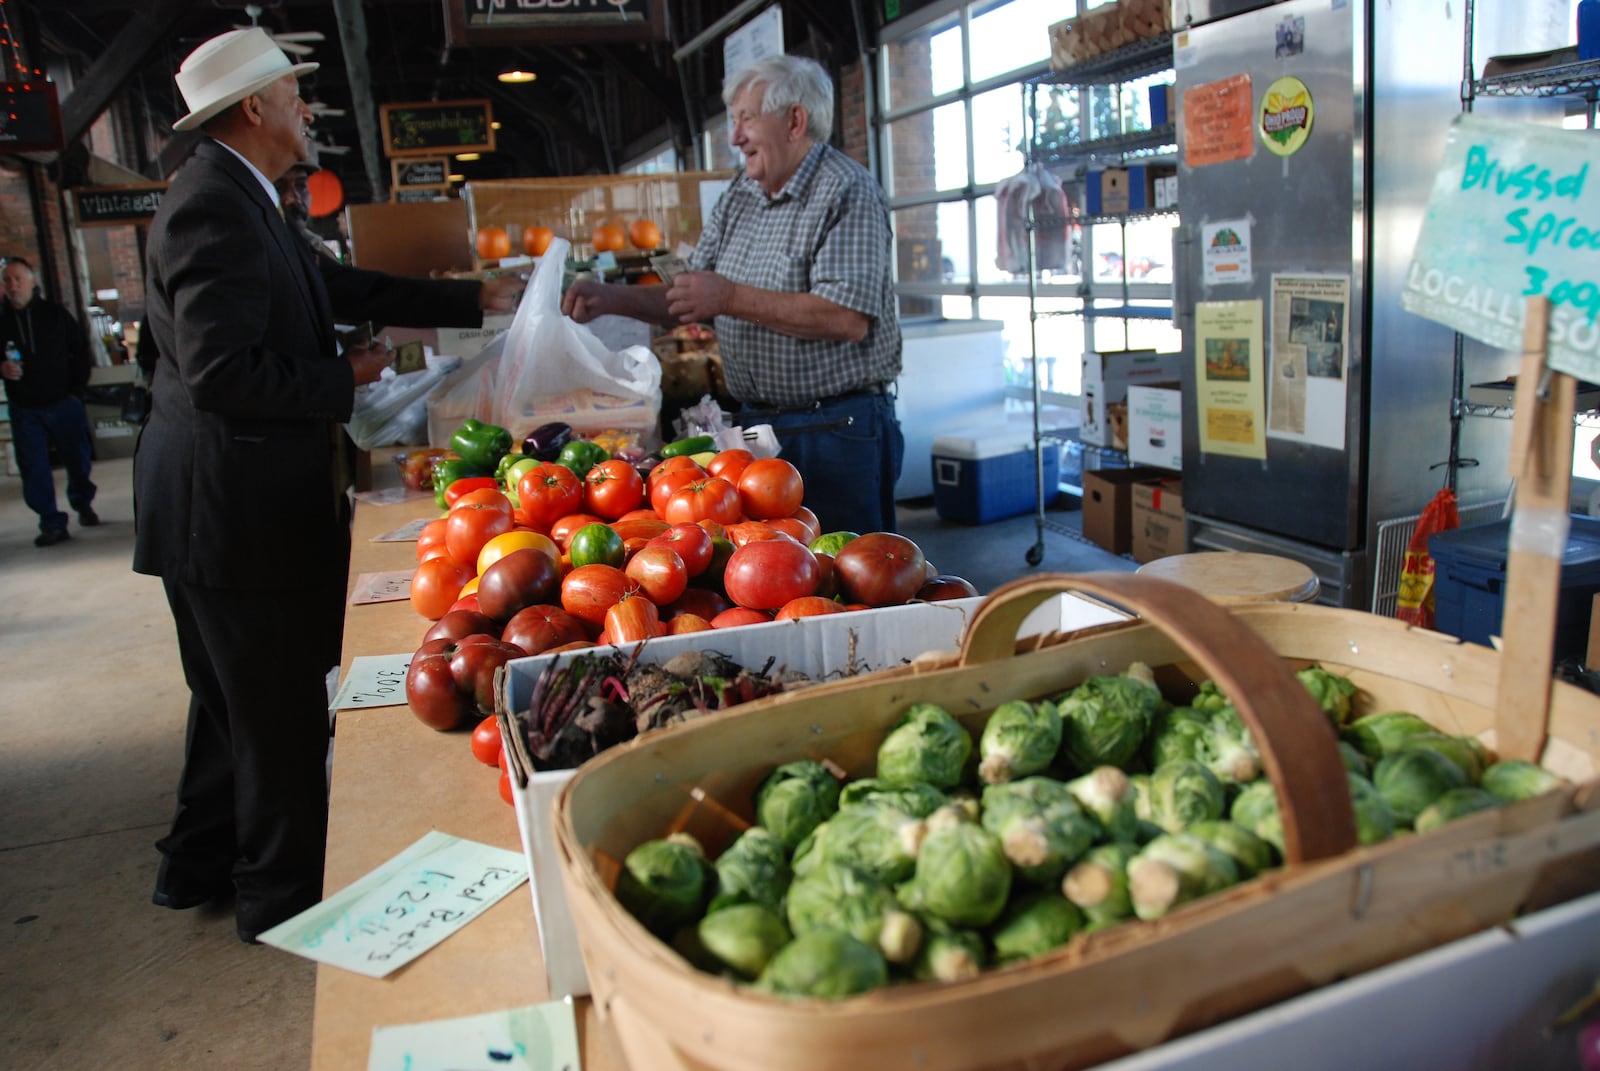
<point x="875" y="391"/>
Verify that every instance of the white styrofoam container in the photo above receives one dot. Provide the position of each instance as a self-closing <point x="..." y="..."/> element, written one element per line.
<point x="881" y="638"/>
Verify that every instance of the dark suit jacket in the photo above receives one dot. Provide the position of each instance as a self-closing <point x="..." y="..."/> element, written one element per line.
<point x="232" y="477"/>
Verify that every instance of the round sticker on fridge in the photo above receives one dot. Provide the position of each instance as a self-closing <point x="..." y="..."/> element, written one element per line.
<point x="1285" y="116"/>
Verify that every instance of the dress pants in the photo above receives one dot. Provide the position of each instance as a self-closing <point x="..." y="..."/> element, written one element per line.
<point x="252" y="800"/>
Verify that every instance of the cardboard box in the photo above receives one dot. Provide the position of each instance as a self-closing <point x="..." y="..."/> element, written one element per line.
<point x="112" y="436"/>
<point x="980" y="477"/>
<point x="1158" y="520"/>
<point x="1107" y="191"/>
<point x="1165" y="192"/>
<point x="1108" y="506"/>
<point x="1106" y="379"/>
<point x="1155" y="426"/>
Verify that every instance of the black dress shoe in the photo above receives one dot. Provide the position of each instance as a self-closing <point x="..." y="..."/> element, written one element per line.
<point x="88" y="517"/>
<point x="180" y="892"/>
<point x="50" y="537"/>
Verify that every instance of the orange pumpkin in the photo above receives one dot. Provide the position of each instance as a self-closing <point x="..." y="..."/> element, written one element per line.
<point x="493" y="243"/>
<point x="608" y="238"/>
<point x="535" y="240"/>
<point x="644" y="234"/>
<point x="649" y="278"/>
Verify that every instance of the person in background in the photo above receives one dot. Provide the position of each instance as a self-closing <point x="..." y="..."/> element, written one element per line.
<point x="235" y="505"/>
<point x="45" y="392"/>
<point x="294" y="194"/>
<point x="794" y="269"/>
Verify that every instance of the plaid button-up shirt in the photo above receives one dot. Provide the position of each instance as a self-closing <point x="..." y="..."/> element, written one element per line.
<point x="825" y="233"/>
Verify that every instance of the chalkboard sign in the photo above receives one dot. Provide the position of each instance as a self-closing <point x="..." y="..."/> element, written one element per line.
<point x="416" y="194"/>
<point x="115" y="206"/>
<point x="30" y="120"/>
<point x="409" y="174"/>
<point x="427" y="128"/>
<point x="530" y="22"/>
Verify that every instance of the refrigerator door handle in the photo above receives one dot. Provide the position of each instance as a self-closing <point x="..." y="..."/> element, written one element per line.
<point x="1181" y="241"/>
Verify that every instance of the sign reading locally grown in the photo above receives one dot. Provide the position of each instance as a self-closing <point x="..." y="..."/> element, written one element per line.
<point x="1513" y="216"/>
<point x="30" y="117"/>
<point x="525" y="22"/>
<point x="412" y="173"/>
<point x="429" y="127"/>
<point x="115" y="206"/>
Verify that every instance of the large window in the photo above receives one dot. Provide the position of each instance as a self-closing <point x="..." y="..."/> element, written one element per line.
<point x="954" y="99"/>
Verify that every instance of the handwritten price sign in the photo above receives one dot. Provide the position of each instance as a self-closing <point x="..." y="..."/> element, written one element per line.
<point x="1514" y="214"/>
<point x="374" y="681"/>
<point x="382" y="587"/>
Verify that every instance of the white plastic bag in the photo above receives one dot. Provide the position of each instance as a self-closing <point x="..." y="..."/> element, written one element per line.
<point x="553" y="368"/>
<point x="376" y="420"/>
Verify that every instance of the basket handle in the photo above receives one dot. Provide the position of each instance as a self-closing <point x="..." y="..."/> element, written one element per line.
<point x="1298" y="746"/>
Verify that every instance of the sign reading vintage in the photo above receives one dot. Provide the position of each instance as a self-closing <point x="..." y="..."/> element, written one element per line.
<point x="426" y="128"/>
<point x="514" y="22"/>
<point x="114" y="206"/>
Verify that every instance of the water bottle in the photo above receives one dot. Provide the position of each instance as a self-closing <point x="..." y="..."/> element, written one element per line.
<point x="14" y="354"/>
<point x="1588" y="29"/>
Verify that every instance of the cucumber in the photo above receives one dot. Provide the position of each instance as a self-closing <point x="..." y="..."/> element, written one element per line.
<point x="694" y="444"/>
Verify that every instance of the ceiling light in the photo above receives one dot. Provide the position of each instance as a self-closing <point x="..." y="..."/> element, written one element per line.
<point x="516" y="75"/>
<point x="457" y="178"/>
<point x="495" y="125"/>
<point x="468" y="157"/>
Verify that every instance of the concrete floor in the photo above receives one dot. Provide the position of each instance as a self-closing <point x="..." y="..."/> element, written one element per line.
<point x="91" y="732"/>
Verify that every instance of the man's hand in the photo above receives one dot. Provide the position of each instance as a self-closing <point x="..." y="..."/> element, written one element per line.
<point x="368" y="362"/>
<point x="585" y="299"/>
<point x="10" y="370"/>
<point x="698" y="296"/>
<point x="501" y="293"/>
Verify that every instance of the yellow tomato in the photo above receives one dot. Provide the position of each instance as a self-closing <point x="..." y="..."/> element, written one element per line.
<point x="468" y="588"/>
<point x="506" y="542"/>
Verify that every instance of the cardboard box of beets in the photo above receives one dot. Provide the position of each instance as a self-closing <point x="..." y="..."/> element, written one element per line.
<point x="818" y="647"/>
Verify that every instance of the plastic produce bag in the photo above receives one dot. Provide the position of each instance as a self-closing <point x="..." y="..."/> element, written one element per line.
<point x="1415" y="603"/>
<point x="396" y="406"/>
<point x="553" y="368"/>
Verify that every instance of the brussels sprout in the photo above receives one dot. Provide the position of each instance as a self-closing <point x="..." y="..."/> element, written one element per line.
<point x="926" y="745"/>
<point x="1511" y="780"/>
<point x="753" y="869"/>
<point x="1140" y="783"/>
<point x="1374" y="816"/>
<point x="1183" y="792"/>
<point x="1332" y="692"/>
<point x="1104" y="720"/>
<point x="1175" y="868"/>
<point x="1412" y="778"/>
<point x="1210" y="699"/>
<point x="1256" y="809"/>
<point x="918" y="800"/>
<point x="841" y="897"/>
<point x="743" y="937"/>
<point x="1108" y="794"/>
<point x="880" y="841"/>
<point x="1041" y="827"/>
<point x="1354" y="761"/>
<point x="1177" y="734"/>
<point x="1466" y="752"/>
<point x="663" y="883"/>
<point x="825" y="963"/>
<point x="948" y="953"/>
<point x="962" y="876"/>
<point x="1457" y="803"/>
<point x="1033" y="924"/>
<point x="795" y="798"/>
<point x="1375" y="735"/>
<point x="1250" y="853"/>
<point x="1020" y="738"/>
<point x="1229" y="751"/>
<point x="1099" y="884"/>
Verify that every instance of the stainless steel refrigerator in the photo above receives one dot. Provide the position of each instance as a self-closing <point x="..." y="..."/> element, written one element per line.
<point x="1355" y="393"/>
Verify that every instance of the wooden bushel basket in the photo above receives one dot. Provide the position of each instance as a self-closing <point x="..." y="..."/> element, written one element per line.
<point x="1335" y="910"/>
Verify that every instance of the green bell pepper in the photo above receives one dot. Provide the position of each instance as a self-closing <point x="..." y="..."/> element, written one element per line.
<point x="481" y="444"/>
<point x="581" y="455"/>
<point x="447" y="470"/>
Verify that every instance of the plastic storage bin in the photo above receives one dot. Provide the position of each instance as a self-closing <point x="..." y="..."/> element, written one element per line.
<point x="1470" y="580"/>
<point x="978" y="478"/>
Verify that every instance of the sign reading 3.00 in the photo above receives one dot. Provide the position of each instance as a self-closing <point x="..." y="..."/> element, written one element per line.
<point x="1514" y="214"/>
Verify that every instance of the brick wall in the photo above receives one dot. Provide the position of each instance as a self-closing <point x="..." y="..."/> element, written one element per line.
<point x="851" y="112"/>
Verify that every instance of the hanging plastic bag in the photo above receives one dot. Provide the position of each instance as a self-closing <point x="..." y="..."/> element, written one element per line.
<point x="374" y="421"/>
<point x="1415" y="604"/>
<point x="554" y="368"/>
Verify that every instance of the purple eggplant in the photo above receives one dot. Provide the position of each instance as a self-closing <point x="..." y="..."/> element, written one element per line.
<point x="545" y="441"/>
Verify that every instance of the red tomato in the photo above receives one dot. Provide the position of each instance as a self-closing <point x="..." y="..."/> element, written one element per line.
<point x="682" y="463"/>
<point x="546" y="493"/>
<point x="687" y="623"/>
<point x="643" y="514"/>
<point x="645" y="528"/>
<point x="458" y="623"/>
<point x="467" y="602"/>
<point x="536" y="629"/>
<point x="710" y="499"/>
<point x="662" y="488"/>
<point x="807" y="606"/>
<point x="472" y="524"/>
<point x="505" y="788"/>
<point x="486" y="742"/>
<point x="805" y="517"/>
<point x="753" y="532"/>
<point x="436" y="584"/>
<point x="612" y="489"/>
<point x="740" y="615"/>
<point x="717" y="529"/>
<point x="660" y="572"/>
<point x="702" y="602"/>
<point x="692" y="543"/>
<point x="521" y="579"/>
<point x="490" y="496"/>
<point x="466" y="484"/>
<point x="430" y="541"/>
<point x="880" y="569"/>
<point x="566" y="527"/>
<point x="590" y="590"/>
<point x="729" y="464"/>
<point x="768" y="573"/>
<point x="770" y="487"/>
<point x="632" y="618"/>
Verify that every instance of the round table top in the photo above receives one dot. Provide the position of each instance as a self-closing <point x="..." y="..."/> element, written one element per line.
<point x="1237" y="577"/>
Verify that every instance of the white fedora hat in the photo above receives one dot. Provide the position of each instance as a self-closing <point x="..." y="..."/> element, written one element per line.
<point x="227" y="69"/>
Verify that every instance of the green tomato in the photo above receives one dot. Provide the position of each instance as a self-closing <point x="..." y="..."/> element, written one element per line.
<point x="830" y="542"/>
<point x="596" y="544"/>
<point x="513" y="476"/>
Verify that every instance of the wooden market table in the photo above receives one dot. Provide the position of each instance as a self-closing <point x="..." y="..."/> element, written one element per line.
<point x="393" y="781"/>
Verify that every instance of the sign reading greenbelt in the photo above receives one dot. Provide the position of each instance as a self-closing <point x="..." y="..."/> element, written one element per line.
<point x="429" y="127"/>
<point x="1514" y="214"/>
<point x="110" y="206"/>
<point x="522" y="22"/>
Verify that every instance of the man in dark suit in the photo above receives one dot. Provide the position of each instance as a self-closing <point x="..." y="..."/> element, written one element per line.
<point x="235" y="504"/>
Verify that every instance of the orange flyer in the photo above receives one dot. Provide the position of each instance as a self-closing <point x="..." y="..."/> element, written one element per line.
<point x="1218" y="122"/>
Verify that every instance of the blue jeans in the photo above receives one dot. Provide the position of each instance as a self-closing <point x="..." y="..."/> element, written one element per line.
<point x="848" y="451"/>
<point x="64" y="425"/>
